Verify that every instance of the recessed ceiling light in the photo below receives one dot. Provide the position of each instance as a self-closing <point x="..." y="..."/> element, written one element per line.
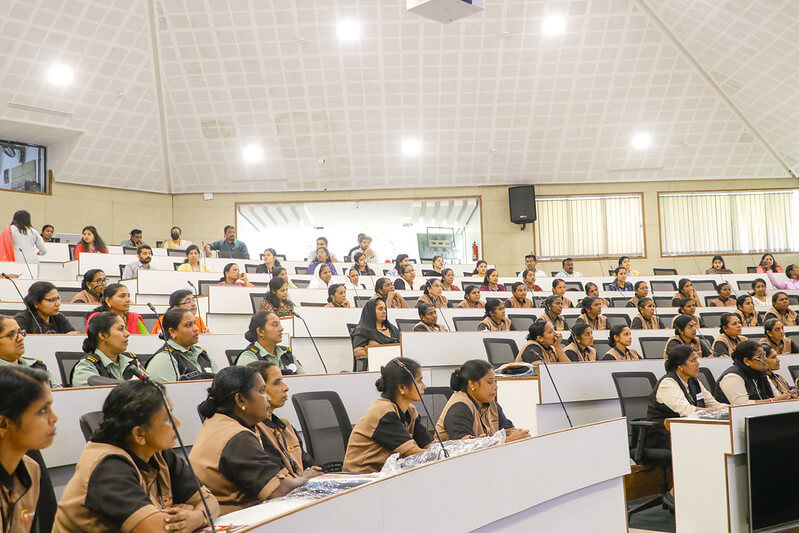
<point x="641" y="141"/>
<point x="252" y="153"/>
<point x="60" y="75"/>
<point x="349" y="30"/>
<point x="411" y="147"/>
<point x="553" y="25"/>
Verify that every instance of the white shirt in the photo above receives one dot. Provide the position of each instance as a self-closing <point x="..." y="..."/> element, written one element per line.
<point x="734" y="388"/>
<point x="27" y="246"/>
<point x="670" y="394"/>
<point x="317" y="283"/>
<point x="564" y="274"/>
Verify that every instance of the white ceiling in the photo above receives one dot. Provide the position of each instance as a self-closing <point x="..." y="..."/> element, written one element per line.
<point x="492" y="100"/>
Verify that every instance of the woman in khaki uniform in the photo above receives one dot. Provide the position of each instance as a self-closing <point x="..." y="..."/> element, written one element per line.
<point x="592" y="314"/>
<point x="729" y="335"/>
<point x="646" y="318"/>
<point x="473" y="411"/>
<point x="27" y="422"/>
<point x="495" y="319"/>
<point x="128" y="478"/>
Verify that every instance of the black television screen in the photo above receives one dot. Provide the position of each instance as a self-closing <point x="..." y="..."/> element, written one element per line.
<point x="23" y="167"/>
<point x="772" y="454"/>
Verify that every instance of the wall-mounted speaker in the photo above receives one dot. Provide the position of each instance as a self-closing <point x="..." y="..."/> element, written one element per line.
<point x="522" y="204"/>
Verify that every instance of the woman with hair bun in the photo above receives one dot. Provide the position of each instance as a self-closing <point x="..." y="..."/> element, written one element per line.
<point x="746" y="381"/>
<point x="92" y="286"/>
<point x="181" y="358"/>
<point x="471" y="298"/>
<point x="264" y="334"/>
<point x="105" y="344"/>
<point x="337" y="296"/>
<point x="746" y="311"/>
<point x="429" y="319"/>
<point x="729" y="335"/>
<point x="519" y="299"/>
<point x="494" y="318"/>
<point x="775" y="337"/>
<point x="646" y="318"/>
<point x="620" y="338"/>
<point x="685" y="334"/>
<point x="185" y="299"/>
<point x="433" y="294"/>
<point x="581" y="343"/>
<point x="229" y="455"/>
<point x="116" y="298"/>
<point x="392" y="424"/>
<point x="472" y="410"/>
<point x="592" y="313"/>
<point x="543" y="343"/>
<point x="128" y="477"/>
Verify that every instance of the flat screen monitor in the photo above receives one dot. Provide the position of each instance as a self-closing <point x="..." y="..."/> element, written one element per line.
<point x="772" y="452"/>
<point x="23" y="167"/>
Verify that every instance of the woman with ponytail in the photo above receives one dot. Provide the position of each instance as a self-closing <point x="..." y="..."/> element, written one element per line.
<point x="433" y="294"/>
<point x="105" y="344"/>
<point x="472" y="410"/>
<point x="581" y="343"/>
<point x="392" y="424"/>
<point x="181" y="358"/>
<point x="264" y="334"/>
<point x="229" y="455"/>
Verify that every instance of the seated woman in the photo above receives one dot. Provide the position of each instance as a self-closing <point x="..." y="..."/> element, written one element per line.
<point x="438" y="264"/>
<point x="745" y="309"/>
<point x="528" y="278"/>
<point x="472" y="410"/>
<point x="92" y="287"/>
<point x="42" y="314"/>
<point x="480" y="269"/>
<point x="264" y="335"/>
<point x="471" y="298"/>
<point x="280" y="272"/>
<point x="758" y="293"/>
<point x="519" y="299"/>
<point x="724" y="299"/>
<point x="361" y="266"/>
<point x="779" y="385"/>
<point x="429" y="319"/>
<point x="276" y="300"/>
<point x="718" y="266"/>
<point x="491" y="281"/>
<point x="129" y="477"/>
<point x="432" y="294"/>
<point x="232" y="275"/>
<point x="775" y="336"/>
<point x="27" y="423"/>
<point x="624" y="261"/>
<point x="591" y="289"/>
<point x="385" y="290"/>
<point x="229" y="455"/>
<point x="322" y="258"/>
<point x="374" y="328"/>
<point x="592" y="313"/>
<point x="543" y="343"/>
<point x="90" y="243"/>
<point x="641" y="291"/>
<point x="620" y="283"/>
<point x="447" y="279"/>
<point x="729" y="336"/>
<point x="401" y="259"/>
<point x="494" y="318"/>
<point x="768" y="264"/>
<point x="354" y="280"/>
<point x="685" y="334"/>
<point x="646" y="319"/>
<point x="281" y="441"/>
<point x="337" y="296"/>
<point x="553" y="307"/>
<point x="687" y="307"/>
<point x="405" y="281"/>
<point x="392" y="424"/>
<point x="105" y="347"/>
<point x="116" y="299"/>
<point x="192" y="262"/>
<point x="620" y="338"/>
<point x="12" y="348"/>
<point x="270" y="261"/>
<point x="685" y="290"/>
<point x="779" y="309"/>
<point x="186" y="300"/>
<point x="321" y="278"/>
<point x="746" y="382"/>
<point x="181" y="358"/>
<point x="581" y="343"/>
<point x="791" y="272"/>
<point x="559" y="289"/>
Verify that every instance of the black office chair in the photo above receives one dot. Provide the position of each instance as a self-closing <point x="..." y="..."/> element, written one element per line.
<point x="176" y="265"/>
<point x="71" y="251"/>
<point x="301" y="270"/>
<point x="67" y="293"/>
<point x="500" y="351"/>
<point x="359" y="364"/>
<point x="570" y="320"/>
<point x="794" y="370"/>
<point x="251" y="269"/>
<point x="522" y="322"/>
<point x="652" y="347"/>
<point x="174" y="252"/>
<point x="662" y="301"/>
<point x="713" y="319"/>
<point x="634" y="389"/>
<point x="149" y="320"/>
<point x="301" y="283"/>
<point x="360" y="301"/>
<point x="574" y="286"/>
<point x="233" y="356"/>
<point x="707" y="379"/>
<point x="313" y="304"/>
<point x="466" y="323"/>
<point x="144" y="358"/>
<point x="121" y="270"/>
<point x="204" y="284"/>
<point x="435" y="398"/>
<point x="662" y="285"/>
<point x="751" y="270"/>
<point x="601" y="346"/>
<point x="704" y="285"/>
<point x="430" y="273"/>
<point x="664" y="271"/>
<point x="325" y="427"/>
<point x="406" y="324"/>
<point x="617" y="320"/>
<point x="453" y="304"/>
<point x="77" y="319"/>
<point x="619" y="301"/>
<point x="66" y="362"/>
<point x="255" y="300"/>
<point x="89" y="423"/>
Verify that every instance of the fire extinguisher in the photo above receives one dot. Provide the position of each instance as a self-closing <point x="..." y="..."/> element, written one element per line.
<point x="475" y="251"/>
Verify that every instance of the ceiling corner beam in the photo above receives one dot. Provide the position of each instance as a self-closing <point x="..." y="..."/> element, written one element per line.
<point x="159" y="93"/>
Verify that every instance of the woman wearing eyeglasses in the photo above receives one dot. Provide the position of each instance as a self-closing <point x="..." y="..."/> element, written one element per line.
<point x="12" y="346"/>
<point x="93" y="285"/>
<point x="185" y="299"/>
<point x="42" y="314"/>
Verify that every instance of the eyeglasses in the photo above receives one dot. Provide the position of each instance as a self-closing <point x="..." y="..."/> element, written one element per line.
<point x="53" y="300"/>
<point x="13" y="334"/>
<point x="101" y="281"/>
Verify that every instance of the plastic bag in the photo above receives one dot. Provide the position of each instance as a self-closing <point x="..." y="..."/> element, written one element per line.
<point x="721" y="414"/>
<point x="395" y="463"/>
<point x="328" y="484"/>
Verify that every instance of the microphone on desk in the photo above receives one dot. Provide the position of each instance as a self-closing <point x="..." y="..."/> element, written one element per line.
<point x="25" y="259"/>
<point x="193" y="287"/>
<point x="22" y="298"/>
<point x="424" y="405"/>
<point x="312" y="340"/>
<point x="554" y="386"/>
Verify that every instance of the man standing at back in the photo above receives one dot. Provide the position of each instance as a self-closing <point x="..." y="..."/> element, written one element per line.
<point x="229" y="246"/>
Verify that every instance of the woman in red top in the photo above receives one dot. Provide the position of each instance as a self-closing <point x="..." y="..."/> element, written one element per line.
<point x="447" y="278"/>
<point x="528" y="277"/>
<point x="767" y="262"/>
<point x="491" y="281"/>
<point x="91" y="243"/>
<point x="116" y="298"/>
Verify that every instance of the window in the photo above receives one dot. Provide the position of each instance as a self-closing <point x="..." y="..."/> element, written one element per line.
<point x="23" y="167"/>
<point x="729" y="222"/>
<point x="589" y="226"/>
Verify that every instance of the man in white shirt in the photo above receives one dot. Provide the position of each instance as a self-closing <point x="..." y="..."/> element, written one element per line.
<point x="568" y="270"/>
<point x="530" y="262"/>
<point x="145" y="255"/>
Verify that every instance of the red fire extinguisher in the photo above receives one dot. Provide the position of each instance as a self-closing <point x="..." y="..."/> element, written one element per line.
<point x="475" y="251"/>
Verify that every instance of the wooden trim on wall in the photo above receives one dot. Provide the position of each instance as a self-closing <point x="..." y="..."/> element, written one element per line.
<point x="49" y="192"/>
